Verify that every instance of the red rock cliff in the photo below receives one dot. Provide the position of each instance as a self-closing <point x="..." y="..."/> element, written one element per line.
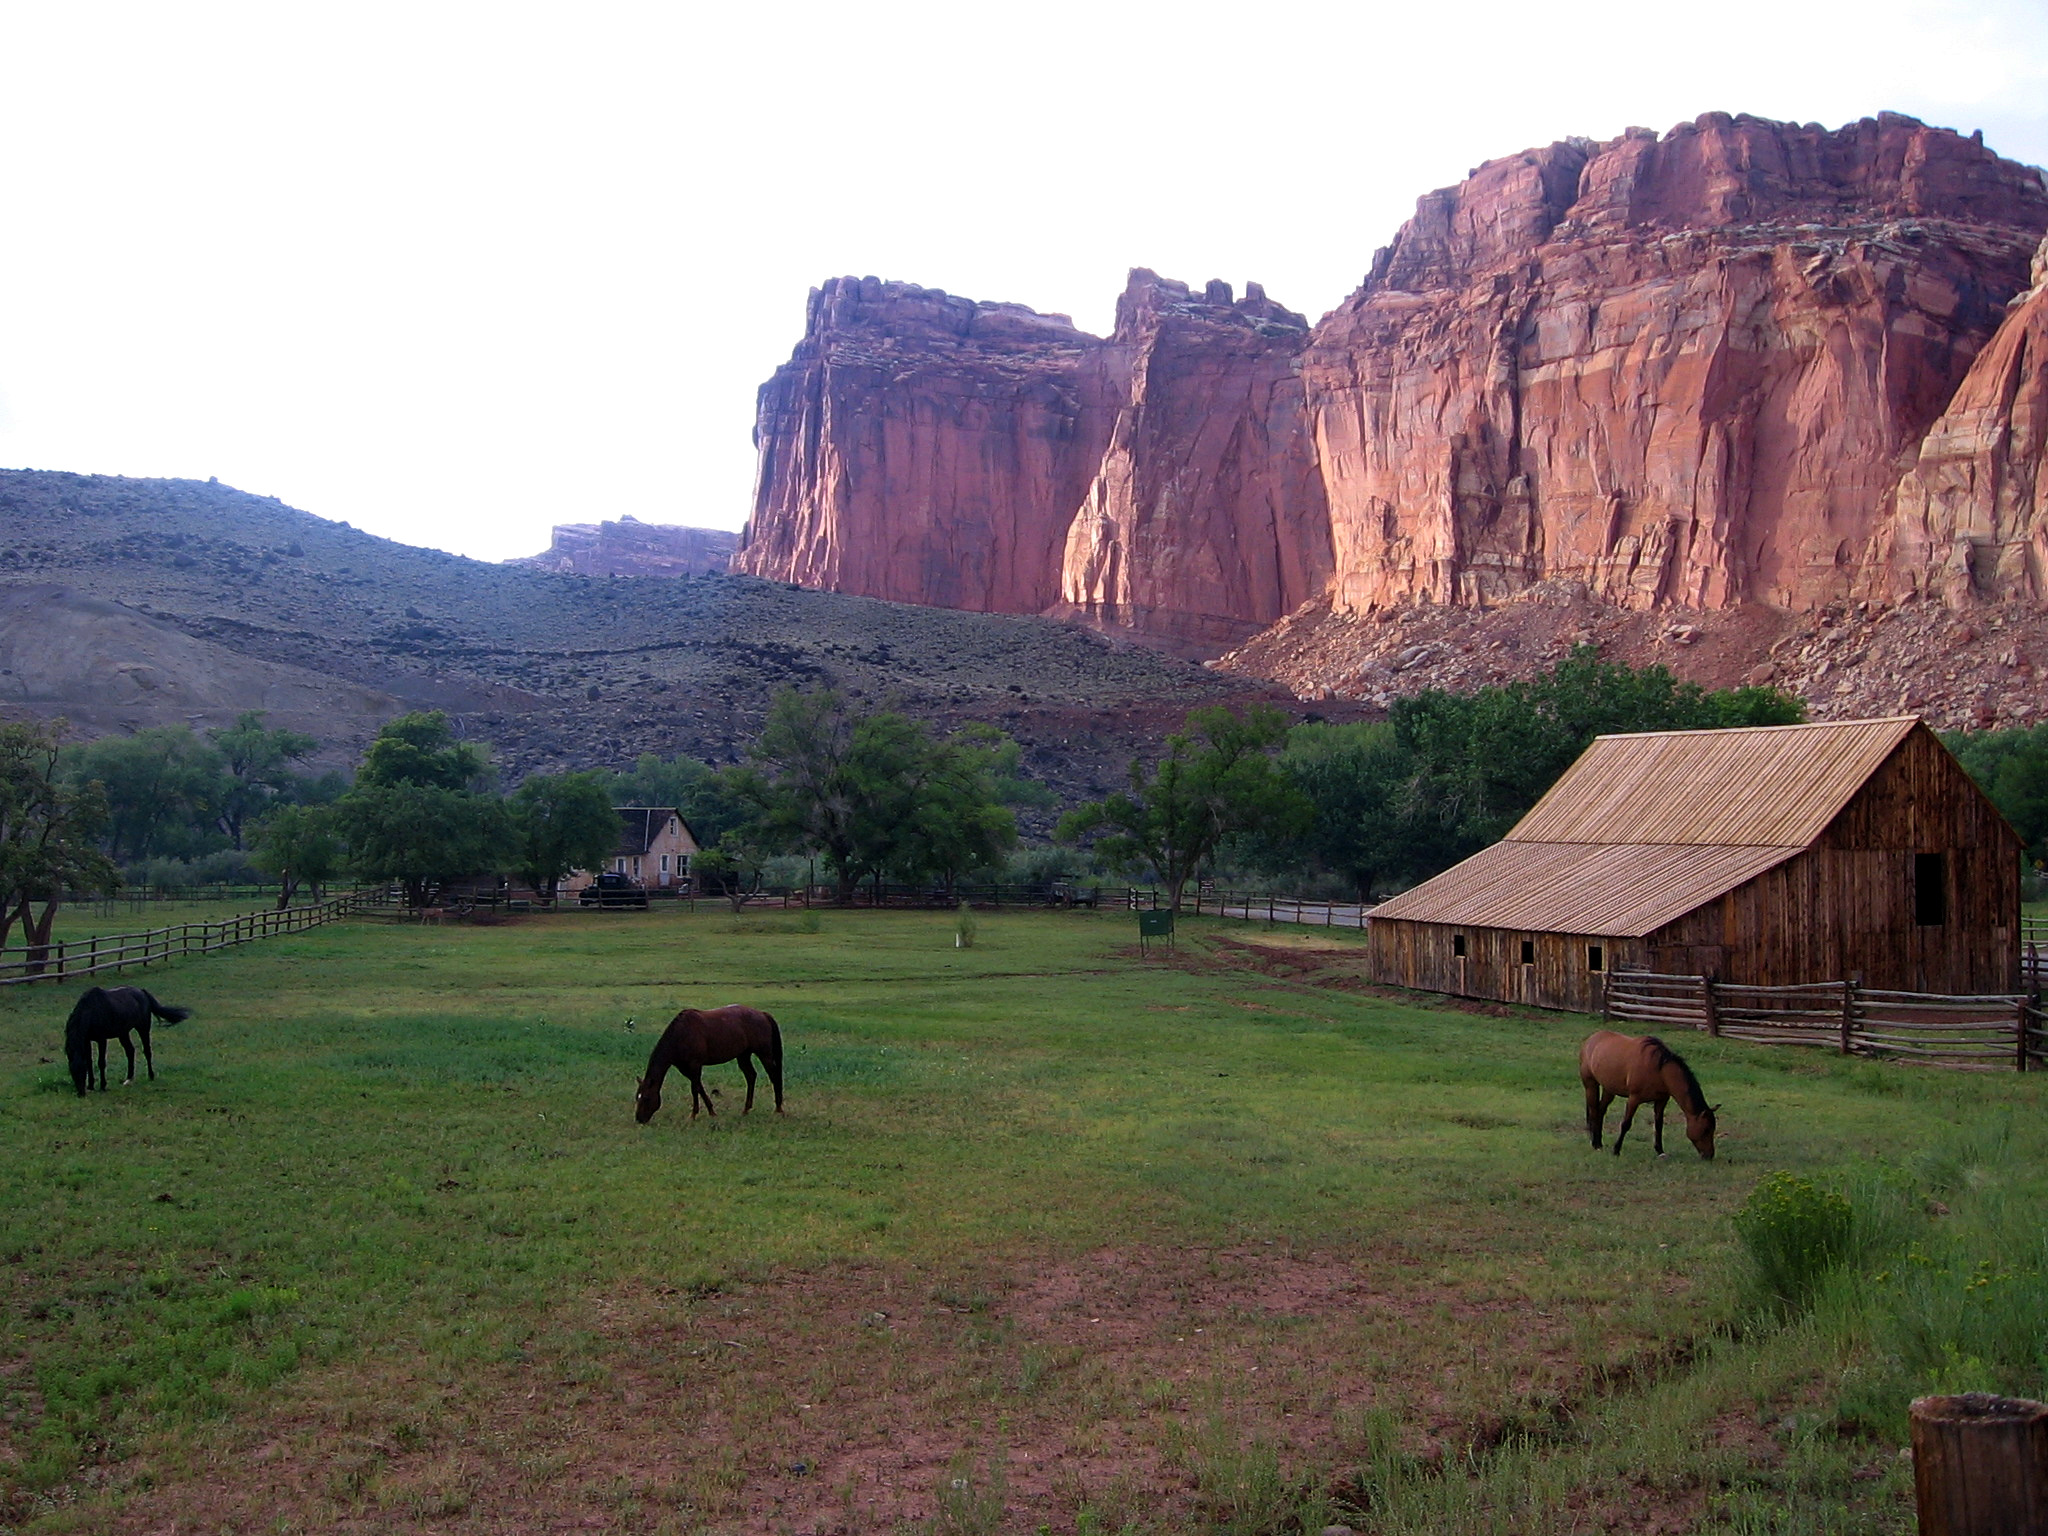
<point x="1205" y="520"/>
<point x="1686" y="369"/>
<point x="1681" y="369"/>
<point x="926" y="449"/>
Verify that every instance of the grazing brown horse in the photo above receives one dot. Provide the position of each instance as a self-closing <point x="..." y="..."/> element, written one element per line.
<point x="698" y="1038"/>
<point x="113" y="1013"/>
<point x="1647" y="1071"/>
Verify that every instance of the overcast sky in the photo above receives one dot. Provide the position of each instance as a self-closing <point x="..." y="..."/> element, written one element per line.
<point x="455" y="273"/>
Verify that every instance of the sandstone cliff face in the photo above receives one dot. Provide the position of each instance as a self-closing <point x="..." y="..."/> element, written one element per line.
<point x="1205" y="520"/>
<point x="925" y="448"/>
<point x="1970" y="518"/>
<point x="1681" y="370"/>
<point x="1684" y="370"/>
<point x="630" y="547"/>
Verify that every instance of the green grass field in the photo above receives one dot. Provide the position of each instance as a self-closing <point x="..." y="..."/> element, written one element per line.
<point x="1052" y="1237"/>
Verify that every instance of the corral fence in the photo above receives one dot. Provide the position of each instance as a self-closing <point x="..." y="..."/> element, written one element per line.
<point x="65" y="959"/>
<point x="1269" y="908"/>
<point x="2033" y="950"/>
<point x="1972" y="1034"/>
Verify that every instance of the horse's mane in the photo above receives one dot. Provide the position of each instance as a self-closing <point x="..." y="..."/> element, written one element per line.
<point x="1662" y="1055"/>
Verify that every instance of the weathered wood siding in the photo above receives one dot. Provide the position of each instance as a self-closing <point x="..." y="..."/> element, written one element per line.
<point x="1423" y="956"/>
<point x="1846" y="907"/>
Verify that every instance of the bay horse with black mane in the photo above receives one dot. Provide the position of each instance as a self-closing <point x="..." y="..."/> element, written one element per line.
<point x="698" y="1038"/>
<point x="1646" y="1071"/>
<point x="112" y="1013"/>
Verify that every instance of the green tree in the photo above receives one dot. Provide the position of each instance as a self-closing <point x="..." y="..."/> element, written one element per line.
<point x="258" y="764"/>
<point x="415" y="815"/>
<point x="49" y="831"/>
<point x="164" y="788"/>
<point x="421" y="835"/>
<point x="734" y="867"/>
<point x="301" y="845"/>
<point x="1361" y="829"/>
<point x="873" y="794"/>
<point x="421" y="748"/>
<point x="562" y="822"/>
<point x="1215" y="781"/>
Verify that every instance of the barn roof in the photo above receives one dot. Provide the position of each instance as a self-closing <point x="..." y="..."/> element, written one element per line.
<point x="1760" y="786"/>
<point x="1643" y="829"/>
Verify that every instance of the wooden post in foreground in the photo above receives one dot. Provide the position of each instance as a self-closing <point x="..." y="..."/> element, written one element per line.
<point x="1980" y="1465"/>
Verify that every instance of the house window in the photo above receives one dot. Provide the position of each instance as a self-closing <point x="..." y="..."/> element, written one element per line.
<point x="636" y="868"/>
<point x="621" y="864"/>
<point x="1594" y="959"/>
<point x="1458" y="945"/>
<point x="664" y="863"/>
<point x="1930" y="889"/>
<point x="1528" y="951"/>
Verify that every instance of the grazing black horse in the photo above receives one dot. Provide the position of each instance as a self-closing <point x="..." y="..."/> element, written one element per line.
<point x="110" y="1013"/>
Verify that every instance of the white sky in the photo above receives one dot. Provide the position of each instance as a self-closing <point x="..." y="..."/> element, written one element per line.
<point x="457" y="272"/>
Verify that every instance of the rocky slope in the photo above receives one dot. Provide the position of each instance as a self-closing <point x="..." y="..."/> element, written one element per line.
<point x="1738" y="365"/>
<point x="630" y="547"/>
<point x="126" y="603"/>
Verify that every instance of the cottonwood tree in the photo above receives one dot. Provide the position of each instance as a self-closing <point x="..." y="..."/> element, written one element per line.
<point x="163" y="788"/>
<point x="415" y="815"/>
<point x="49" y="831"/>
<point x="1215" y="781"/>
<point x="301" y="845"/>
<point x="561" y="822"/>
<point x="257" y="764"/>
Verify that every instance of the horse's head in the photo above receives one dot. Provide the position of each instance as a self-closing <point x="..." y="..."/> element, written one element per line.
<point x="647" y="1099"/>
<point x="1699" y="1130"/>
<point x="80" y="1058"/>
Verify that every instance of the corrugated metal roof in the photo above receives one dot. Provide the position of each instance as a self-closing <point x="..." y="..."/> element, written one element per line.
<point x="1610" y="890"/>
<point x="1775" y="786"/>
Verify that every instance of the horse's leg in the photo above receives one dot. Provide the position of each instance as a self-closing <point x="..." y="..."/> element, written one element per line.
<point x="774" y="1066"/>
<point x="128" y="1046"/>
<point x="1657" y="1111"/>
<point x="747" y="1068"/>
<point x="1596" y="1112"/>
<point x="148" y="1056"/>
<point x="103" y="1063"/>
<point x="697" y="1094"/>
<point x="1627" y="1117"/>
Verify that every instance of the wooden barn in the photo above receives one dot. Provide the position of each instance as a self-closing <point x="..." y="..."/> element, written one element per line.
<point x="1765" y="856"/>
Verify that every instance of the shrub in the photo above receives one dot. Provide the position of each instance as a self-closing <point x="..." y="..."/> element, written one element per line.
<point x="1793" y="1232"/>
<point x="964" y="928"/>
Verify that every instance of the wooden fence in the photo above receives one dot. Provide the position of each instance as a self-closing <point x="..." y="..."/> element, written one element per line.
<point x="1972" y="1034"/>
<point x="66" y="959"/>
<point x="1268" y="908"/>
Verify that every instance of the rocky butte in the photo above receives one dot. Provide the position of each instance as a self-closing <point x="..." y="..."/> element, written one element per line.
<point x="1740" y="363"/>
<point x="630" y="547"/>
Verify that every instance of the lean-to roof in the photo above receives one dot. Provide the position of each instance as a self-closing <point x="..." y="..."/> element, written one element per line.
<point x="1644" y="829"/>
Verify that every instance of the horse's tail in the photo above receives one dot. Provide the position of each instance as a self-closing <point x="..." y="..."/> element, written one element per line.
<point x="165" y="1011"/>
<point x="774" y="1039"/>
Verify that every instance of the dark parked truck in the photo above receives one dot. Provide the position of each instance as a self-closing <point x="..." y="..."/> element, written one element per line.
<point x="613" y="890"/>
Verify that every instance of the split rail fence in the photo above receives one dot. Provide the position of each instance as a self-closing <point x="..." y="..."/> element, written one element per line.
<point x="1282" y="909"/>
<point x="1971" y="1034"/>
<point x="66" y="959"/>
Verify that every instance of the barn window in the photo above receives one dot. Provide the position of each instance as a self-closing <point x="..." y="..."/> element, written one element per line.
<point x="1458" y="945"/>
<point x="1930" y="889"/>
<point x="1528" y="951"/>
<point x="1594" y="959"/>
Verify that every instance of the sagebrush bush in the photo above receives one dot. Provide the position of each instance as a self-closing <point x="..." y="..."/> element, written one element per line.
<point x="1793" y="1232"/>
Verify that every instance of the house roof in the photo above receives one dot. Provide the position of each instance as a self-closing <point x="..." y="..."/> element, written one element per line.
<point x="640" y="825"/>
<point x="1643" y="829"/>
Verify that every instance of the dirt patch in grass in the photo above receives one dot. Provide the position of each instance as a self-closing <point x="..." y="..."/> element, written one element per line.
<point x="851" y="1400"/>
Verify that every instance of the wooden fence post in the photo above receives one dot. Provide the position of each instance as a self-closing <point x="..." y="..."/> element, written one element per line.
<point x="1980" y="1465"/>
<point x="2022" y="1017"/>
<point x="1848" y="1015"/>
<point x="1713" y="1010"/>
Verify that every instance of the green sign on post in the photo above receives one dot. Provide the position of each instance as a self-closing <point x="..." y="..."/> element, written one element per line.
<point x="1156" y="924"/>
